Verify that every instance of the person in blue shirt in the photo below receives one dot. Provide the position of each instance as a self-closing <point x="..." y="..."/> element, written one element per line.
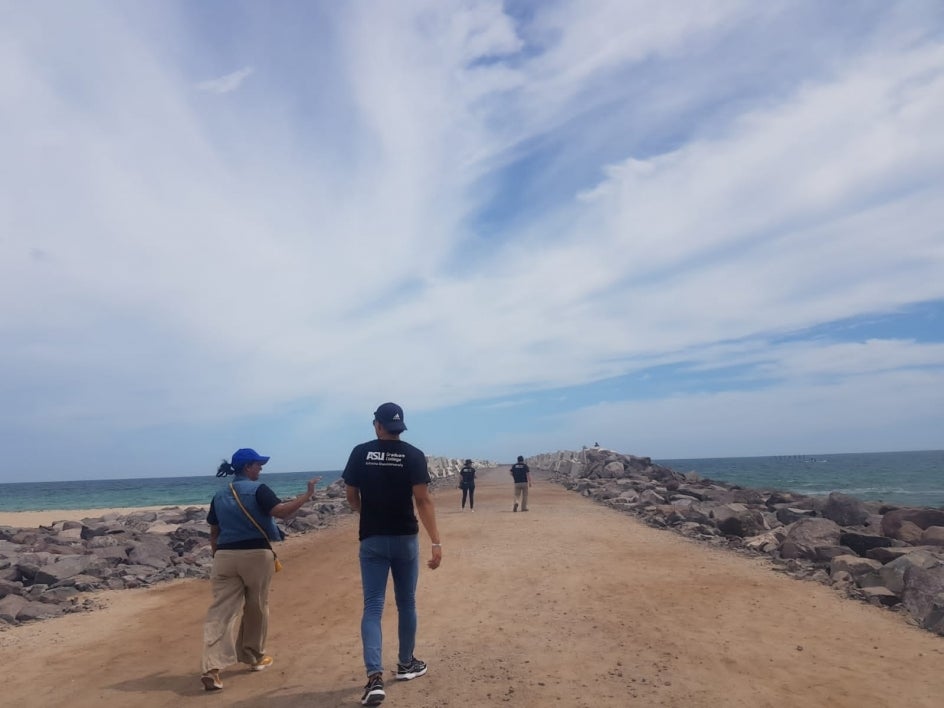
<point x="243" y="565"/>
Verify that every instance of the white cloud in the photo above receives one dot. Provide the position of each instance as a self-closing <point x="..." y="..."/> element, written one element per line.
<point x="227" y="83"/>
<point x="168" y="262"/>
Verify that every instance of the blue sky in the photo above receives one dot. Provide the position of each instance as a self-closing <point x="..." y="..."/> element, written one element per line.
<point x="684" y="229"/>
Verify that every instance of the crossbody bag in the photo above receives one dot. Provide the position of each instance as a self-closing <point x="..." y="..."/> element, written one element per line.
<point x="278" y="563"/>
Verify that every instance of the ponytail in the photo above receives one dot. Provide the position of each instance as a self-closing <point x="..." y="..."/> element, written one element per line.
<point x="225" y="469"/>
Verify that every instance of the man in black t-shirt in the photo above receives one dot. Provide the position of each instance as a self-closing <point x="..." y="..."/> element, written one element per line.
<point x="521" y="473"/>
<point x="467" y="484"/>
<point x="384" y="477"/>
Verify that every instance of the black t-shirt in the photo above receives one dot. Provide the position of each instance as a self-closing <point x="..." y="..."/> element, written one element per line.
<point x="519" y="471"/>
<point x="384" y="471"/>
<point x="468" y="476"/>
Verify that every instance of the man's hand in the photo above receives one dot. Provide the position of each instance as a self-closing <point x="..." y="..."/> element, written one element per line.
<point x="434" y="562"/>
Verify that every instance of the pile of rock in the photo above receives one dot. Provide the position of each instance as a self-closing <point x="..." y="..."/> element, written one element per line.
<point x="888" y="556"/>
<point x="49" y="571"/>
<point x="52" y="570"/>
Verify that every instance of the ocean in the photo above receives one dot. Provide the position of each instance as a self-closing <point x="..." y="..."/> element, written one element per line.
<point x="903" y="478"/>
<point x="146" y="491"/>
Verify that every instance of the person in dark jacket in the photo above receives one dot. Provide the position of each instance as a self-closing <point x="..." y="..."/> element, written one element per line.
<point x="521" y="474"/>
<point x="467" y="484"/>
<point x="243" y="563"/>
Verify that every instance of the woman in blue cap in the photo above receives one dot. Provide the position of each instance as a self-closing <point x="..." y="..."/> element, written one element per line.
<point x="242" y="525"/>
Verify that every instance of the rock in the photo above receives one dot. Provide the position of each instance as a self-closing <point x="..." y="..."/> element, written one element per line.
<point x="738" y="520"/>
<point x="863" y="543"/>
<point x="10" y="607"/>
<point x="845" y="510"/>
<point x="787" y="514"/>
<point x="64" y="567"/>
<point x="880" y="596"/>
<point x="910" y="532"/>
<point x="893" y="573"/>
<point x="886" y="555"/>
<point x="933" y="536"/>
<point x="854" y="565"/>
<point x="923" y="595"/>
<point x="922" y="518"/>
<point x="38" y="610"/>
<point x="806" y="535"/>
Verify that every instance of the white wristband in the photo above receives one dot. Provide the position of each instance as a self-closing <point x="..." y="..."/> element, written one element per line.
<point x="437" y="545"/>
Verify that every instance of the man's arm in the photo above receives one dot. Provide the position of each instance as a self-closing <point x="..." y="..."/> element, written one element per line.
<point x="427" y="513"/>
<point x="353" y="495"/>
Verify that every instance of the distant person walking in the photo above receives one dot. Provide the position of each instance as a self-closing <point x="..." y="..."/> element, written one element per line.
<point x="384" y="478"/>
<point x="242" y="526"/>
<point x="467" y="484"/>
<point x="521" y="473"/>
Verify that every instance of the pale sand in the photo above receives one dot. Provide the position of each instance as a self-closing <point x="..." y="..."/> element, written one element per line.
<point x="34" y="519"/>
<point x="571" y="605"/>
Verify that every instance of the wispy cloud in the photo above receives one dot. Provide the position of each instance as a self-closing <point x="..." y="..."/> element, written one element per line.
<point x="468" y="207"/>
<point x="227" y="83"/>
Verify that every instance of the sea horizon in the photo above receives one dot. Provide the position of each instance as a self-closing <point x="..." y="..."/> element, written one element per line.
<point x="905" y="478"/>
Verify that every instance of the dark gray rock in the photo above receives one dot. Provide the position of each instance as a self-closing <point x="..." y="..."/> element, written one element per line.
<point x="845" y="510"/>
<point x="863" y="543"/>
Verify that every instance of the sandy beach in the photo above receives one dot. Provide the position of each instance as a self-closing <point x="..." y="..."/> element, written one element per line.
<point x="34" y="519"/>
<point x="571" y="604"/>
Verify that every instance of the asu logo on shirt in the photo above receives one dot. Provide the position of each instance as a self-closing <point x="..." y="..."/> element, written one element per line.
<point x="386" y="459"/>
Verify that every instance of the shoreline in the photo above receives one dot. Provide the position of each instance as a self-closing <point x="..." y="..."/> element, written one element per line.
<point x="47" y="517"/>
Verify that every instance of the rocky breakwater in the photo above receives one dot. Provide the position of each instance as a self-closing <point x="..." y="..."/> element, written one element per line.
<point x="53" y="570"/>
<point x="888" y="556"/>
<point x="444" y="470"/>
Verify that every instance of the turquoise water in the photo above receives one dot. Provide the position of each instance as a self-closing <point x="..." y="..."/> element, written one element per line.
<point x="902" y="478"/>
<point x="153" y="491"/>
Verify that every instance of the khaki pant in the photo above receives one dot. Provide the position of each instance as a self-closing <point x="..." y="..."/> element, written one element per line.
<point x="521" y="495"/>
<point x="240" y="582"/>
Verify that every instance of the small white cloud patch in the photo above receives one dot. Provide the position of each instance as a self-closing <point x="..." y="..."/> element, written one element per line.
<point x="226" y="84"/>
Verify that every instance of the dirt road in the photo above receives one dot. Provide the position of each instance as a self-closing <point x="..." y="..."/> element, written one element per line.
<point x="571" y="605"/>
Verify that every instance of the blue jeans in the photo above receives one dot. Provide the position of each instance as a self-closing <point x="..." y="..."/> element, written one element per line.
<point x="380" y="556"/>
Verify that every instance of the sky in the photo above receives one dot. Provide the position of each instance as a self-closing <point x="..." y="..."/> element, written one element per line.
<point x="681" y="229"/>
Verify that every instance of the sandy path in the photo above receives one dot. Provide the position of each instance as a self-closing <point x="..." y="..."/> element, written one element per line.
<point x="570" y="604"/>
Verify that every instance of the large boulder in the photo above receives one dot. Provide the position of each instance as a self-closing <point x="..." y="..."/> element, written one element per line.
<point x="862" y="543"/>
<point x="923" y="596"/>
<point x="65" y="567"/>
<point x="805" y="536"/>
<point x="922" y="518"/>
<point x="739" y="520"/>
<point x="854" y="565"/>
<point x="893" y="573"/>
<point x="933" y="536"/>
<point x="845" y="510"/>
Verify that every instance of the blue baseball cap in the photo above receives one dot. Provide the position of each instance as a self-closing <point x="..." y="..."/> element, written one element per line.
<point x="390" y="416"/>
<point x="245" y="455"/>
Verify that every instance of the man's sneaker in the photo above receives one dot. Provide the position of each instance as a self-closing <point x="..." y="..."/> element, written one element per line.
<point x="414" y="669"/>
<point x="373" y="691"/>
<point x="211" y="680"/>
<point x="264" y="663"/>
<point x="516" y="507"/>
